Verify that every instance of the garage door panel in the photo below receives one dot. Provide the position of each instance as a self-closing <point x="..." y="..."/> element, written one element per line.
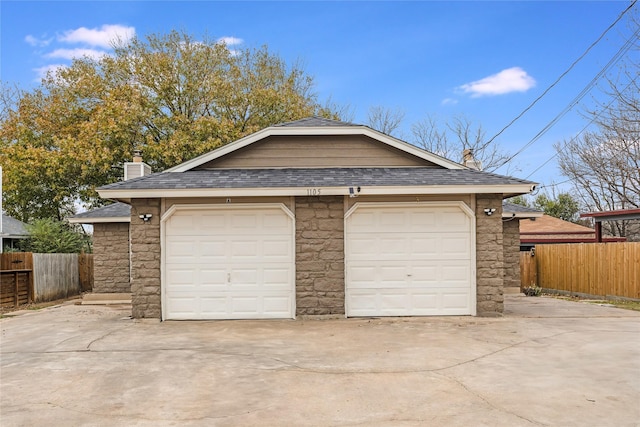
<point x="376" y="276"/>
<point x="244" y="249"/>
<point x="277" y="249"/>
<point x="237" y="264"/>
<point x="409" y="260"/>
<point x="214" y="307"/>
<point x="210" y="249"/>
<point x="276" y="306"/>
<point x="391" y="219"/>
<point x="456" y="274"/>
<point x="276" y="276"/>
<point x="455" y="247"/>
<point x="455" y="301"/>
<point x="182" y="306"/>
<point x="182" y="276"/>
<point x="454" y="220"/>
<point x="388" y="246"/>
<point x="425" y="303"/>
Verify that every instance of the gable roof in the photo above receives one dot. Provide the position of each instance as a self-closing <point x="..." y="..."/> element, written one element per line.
<point x="316" y="126"/>
<point x="296" y="182"/>
<point x="115" y="212"/>
<point x="13" y="228"/>
<point x="442" y="176"/>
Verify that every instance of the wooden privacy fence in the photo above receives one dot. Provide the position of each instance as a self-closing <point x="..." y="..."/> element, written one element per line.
<point x="596" y="269"/>
<point x="528" y="271"/>
<point x="15" y="287"/>
<point x="27" y="277"/>
<point x="85" y="272"/>
<point x="16" y="279"/>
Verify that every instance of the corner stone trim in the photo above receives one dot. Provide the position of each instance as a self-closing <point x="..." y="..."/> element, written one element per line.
<point x="145" y="259"/>
<point x="489" y="256"/>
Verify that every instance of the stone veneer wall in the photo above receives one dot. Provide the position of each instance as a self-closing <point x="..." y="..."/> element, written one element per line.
<point x="111" y="257"/>
<point x="511" y="253"/>
<point x="145" y="259"/>
<point x="319" y="255"/>
<point x="489" y="256"/>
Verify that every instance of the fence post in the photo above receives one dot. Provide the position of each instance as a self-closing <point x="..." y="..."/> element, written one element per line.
<point x="16" y="298"/>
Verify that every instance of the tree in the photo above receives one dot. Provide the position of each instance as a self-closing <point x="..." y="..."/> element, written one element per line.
<point x="564" y="206"/>
<point x="456" y="135"/>
<point x="51" y="236"/>
<point x="604" y="163"/>
<point x="384" y="119"/>
<point x="170" y="95"/>
<point x="520" y="200"/>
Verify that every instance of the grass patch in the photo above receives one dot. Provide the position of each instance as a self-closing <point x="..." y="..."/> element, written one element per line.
<point x="6" y="311"/>
<point x="627" y="305"/>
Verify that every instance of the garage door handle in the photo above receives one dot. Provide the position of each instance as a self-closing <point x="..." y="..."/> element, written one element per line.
<point x="228" y="277"/>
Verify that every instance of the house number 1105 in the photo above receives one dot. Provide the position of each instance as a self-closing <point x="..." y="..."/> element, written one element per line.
<point x="313" y="191"/>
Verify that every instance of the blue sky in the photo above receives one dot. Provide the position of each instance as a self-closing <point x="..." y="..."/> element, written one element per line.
<point x="485" y="60"/>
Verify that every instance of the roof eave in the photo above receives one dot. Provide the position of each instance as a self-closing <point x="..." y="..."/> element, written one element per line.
<point x="521" y="215"/>
<point x="99" y="220"/>
<point x="126" y="194"/>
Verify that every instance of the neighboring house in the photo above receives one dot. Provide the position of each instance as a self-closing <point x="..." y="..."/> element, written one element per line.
<point x="313" y="217"/>
<point x="11" y="232"/>
<point x="614" y="215"/>
<point x="549" y="230"/>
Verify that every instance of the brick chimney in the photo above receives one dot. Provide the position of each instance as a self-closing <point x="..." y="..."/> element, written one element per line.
<point x="137" y="168"/>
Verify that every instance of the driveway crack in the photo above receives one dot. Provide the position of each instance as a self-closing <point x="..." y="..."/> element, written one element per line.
<point x="488" y="402"/>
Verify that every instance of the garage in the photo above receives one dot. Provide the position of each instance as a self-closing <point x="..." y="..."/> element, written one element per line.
<point x="409" y="259"/>
<point x="228" y="262"/>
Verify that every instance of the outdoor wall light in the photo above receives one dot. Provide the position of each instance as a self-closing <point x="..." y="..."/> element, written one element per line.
<point x="489" y="211"/>
<point x="145" y="217"/>
<point x="353" y="192"/>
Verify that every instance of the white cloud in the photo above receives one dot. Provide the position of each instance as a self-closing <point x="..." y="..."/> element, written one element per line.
<point x="43" y="71"/>
<point x="36" y="42"/>
<point x="76" y="53"/>
<point x="102" y="37"/>
<point x="230" y="41"/>
<point x="513" y="79"/>
<point x="449" y="101"/>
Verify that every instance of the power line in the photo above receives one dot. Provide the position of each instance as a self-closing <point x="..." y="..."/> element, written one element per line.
<point x="555" y="184"/>
<point x="595" y="117"/>
<point x="618" y="55"/>
<point x="565" y="73"/>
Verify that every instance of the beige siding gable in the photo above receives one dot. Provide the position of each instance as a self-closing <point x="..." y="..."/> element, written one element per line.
<point x="335" y="151"/>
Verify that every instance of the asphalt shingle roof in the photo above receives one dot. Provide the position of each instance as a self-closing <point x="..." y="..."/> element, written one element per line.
<point x="513" y="207"/>
<point x="310" y="177"/>
<point x="114" y="210"/>
<point x="12" y="227"/>
<point x="314" y="121"/>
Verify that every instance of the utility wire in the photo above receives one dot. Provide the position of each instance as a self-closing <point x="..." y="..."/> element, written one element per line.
<point x="565" y="73"/>
<point x="619" y="54"/>
<point x="595" y="117"/>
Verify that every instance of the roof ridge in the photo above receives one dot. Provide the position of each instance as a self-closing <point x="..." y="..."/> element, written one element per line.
<point x="315" y="121"/>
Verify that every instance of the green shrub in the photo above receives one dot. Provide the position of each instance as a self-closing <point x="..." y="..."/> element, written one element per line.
<point x="51" y="236"/>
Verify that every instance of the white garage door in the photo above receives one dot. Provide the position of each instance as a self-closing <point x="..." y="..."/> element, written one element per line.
<point x="229" y="263"/>
<point x="409" y="260"/>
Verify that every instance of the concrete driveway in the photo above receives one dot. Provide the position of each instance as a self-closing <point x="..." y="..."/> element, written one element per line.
<point x="547" y="362"/>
